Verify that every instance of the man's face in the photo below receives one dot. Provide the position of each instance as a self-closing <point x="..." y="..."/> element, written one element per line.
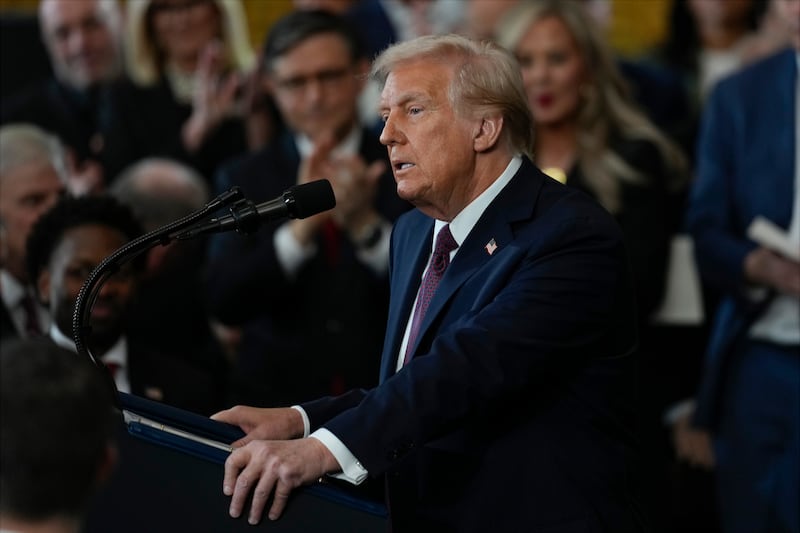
<point x="26" y="192"/>
<point x="431" y="147"/>
<point x="316" y="88"/>
<point x="80" y="38"/>
<point x="80" y="250"/>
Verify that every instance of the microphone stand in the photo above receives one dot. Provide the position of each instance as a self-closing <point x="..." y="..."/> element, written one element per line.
<point x="81" y="317"/>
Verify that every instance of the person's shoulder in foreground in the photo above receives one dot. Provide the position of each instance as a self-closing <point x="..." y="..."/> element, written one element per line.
<point x="58" y="426"/>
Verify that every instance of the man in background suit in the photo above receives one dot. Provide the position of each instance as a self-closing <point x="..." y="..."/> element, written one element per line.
<point x="748" y="167"/>
<point x="83" y="41"/>
<point x="311" y="295"/>
<point x="65" y="245"/>
<point x="506" y="395"/>
<point x="32" y="177"/>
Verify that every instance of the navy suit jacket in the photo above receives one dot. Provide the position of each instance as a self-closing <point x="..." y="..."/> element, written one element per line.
<point x="745" y="168"/>
<point x="515" y="413"/>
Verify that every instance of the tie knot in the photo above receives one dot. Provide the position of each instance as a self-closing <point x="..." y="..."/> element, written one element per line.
<point x="445" y="243"/>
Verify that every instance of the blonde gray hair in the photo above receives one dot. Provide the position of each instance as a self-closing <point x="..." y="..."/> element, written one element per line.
<point x="23" y="144"/>
<point x="487" y="80"/>
<point x="144" y="60"/>
<point x="606" y="106"/>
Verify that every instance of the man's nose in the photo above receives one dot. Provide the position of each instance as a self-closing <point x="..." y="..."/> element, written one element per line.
<point x="389" y="133"/>
<point x="77" y="40"/>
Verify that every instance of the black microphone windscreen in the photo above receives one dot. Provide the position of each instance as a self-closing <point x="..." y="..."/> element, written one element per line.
<point x="311" y="198"/>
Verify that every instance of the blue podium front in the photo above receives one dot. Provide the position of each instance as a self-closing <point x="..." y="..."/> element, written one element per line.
<point x="169" y="479"/>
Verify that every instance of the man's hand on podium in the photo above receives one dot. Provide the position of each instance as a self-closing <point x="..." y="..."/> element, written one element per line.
<point x="273" y="469"/>
<point x="268" y="460"/>
<point x="263" y="424"/>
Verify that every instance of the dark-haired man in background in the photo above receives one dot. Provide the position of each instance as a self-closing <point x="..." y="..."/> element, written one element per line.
<point x="311" y="294"/>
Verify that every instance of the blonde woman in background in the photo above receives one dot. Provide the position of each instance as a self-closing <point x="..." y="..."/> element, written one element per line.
<point x="590" y="135"/>
<point x="186" y="60"/>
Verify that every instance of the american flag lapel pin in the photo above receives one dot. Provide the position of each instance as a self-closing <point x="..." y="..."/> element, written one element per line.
<point x="491" y="246"/>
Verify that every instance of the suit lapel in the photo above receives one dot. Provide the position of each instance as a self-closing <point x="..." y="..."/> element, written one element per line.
<point x="515" y="202"/>
<point x="413" y="248"/>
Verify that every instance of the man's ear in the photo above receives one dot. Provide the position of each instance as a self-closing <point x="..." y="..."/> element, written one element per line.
<point x="488" y="134"/>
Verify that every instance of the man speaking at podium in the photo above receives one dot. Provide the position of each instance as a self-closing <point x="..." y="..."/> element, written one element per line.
<point x="507" y="380"/>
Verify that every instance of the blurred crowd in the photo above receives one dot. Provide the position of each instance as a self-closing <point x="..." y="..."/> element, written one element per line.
<point x="155" y="107"/>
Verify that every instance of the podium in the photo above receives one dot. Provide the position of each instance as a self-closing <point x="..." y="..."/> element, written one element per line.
<point x="169" y="479"/>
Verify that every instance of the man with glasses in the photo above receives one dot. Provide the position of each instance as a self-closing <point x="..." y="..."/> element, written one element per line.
<point x="310" y="295"/>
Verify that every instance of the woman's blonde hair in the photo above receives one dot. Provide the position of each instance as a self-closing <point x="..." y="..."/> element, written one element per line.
<point x="145" y="63"/>
<point x="606" y="106"/>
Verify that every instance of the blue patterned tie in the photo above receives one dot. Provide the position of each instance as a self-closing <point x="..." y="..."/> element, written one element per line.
<point x="445" y="243"/>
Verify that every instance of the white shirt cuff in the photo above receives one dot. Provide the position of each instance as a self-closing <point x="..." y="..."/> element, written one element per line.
<point x="678" y="411"/>
<point x="291" y="254"/>
<point x="352" y="470"/>
<point x="306" y="422"/>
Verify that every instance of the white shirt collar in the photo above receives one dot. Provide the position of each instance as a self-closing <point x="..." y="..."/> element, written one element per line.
<point x="11" y="289"/>
<point x="463" y="222"/>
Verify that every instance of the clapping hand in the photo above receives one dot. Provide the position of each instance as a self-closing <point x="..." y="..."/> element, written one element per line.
<point x="214" y="99"/>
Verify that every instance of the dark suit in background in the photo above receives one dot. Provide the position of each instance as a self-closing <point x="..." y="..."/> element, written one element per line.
<point x="312" y="334"/>
<point x="172" y="380"/>
<point x="8" y="330"/>
<point x="148" y="122"/>
<point x="79" y="118"/>
<point x="750" y="391"/>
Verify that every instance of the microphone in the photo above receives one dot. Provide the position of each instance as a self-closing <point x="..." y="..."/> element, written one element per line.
<point x="299" y="201"/>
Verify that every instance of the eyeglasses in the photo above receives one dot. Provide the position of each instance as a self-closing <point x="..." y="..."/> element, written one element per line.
<point x="325" y="78"/>
<point x="176" y="6"/>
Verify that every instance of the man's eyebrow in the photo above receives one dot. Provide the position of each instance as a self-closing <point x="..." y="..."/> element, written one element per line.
<point x="415" y="96"/>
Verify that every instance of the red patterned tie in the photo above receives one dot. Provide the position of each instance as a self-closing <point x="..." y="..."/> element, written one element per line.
<point x="445" y="243"/>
